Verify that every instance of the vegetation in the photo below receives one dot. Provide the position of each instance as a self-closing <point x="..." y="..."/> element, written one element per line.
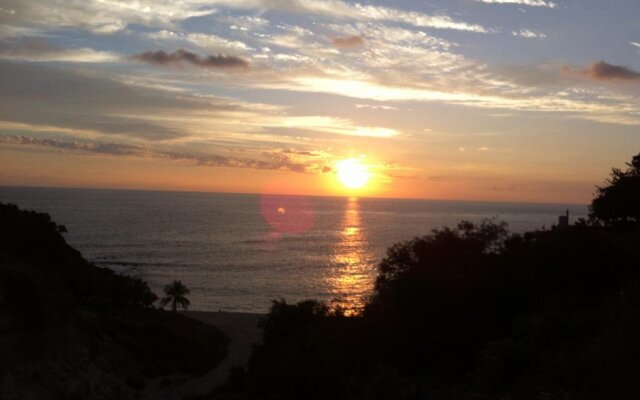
<point x="471" y="312"/>
<point x="175" y="295"/>
<point x="71" y="330"/>
<point x="618" y="203"/>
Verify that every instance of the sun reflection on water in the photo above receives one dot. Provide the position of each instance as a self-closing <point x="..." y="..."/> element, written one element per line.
<point x="351" y="277"/>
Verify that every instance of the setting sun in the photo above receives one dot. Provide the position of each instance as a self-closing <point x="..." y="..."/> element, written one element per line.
<point x="352" y="173"/>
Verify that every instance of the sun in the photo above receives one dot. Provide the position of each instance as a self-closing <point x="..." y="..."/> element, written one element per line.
<point x="352" y="173"/>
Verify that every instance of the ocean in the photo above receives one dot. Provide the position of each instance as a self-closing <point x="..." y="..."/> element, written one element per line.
<point x="238" y="252"/>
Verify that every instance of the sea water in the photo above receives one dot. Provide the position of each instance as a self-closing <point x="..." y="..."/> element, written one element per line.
<point x="238" y="252"/>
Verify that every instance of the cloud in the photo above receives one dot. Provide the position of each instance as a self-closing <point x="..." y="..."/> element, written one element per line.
<point x="178" y="58"/>
<point x="530" y="3"/>
<point x="44" y="96"/>
<point x="529" y="34"/>
<point x="275" y="160"/>
<point x="100" y="17"/>
<point x="603" y="71"/>
<point x="110" y="17"/>
<point x="615" y="110"/>
<point x="37" y="49"/>
<point x="355" y="11"/>
<point x="209" y="42"/>
<point x="376" y="13"/>
<point x="337" y="126"/>
<point x="38" y="98"/>
<point x="376" y="107"/>
<point x="348" y="42"/>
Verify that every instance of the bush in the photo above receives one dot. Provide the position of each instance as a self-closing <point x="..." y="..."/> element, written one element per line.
<point x="618" y="203"/>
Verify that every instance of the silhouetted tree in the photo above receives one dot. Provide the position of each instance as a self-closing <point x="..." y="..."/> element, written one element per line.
<point x="442" y="252"/>
<point x="175" y="293"/>
<point x="618" y="203"/>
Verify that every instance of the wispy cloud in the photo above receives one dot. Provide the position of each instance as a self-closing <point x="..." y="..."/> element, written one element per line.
<point x="530" y="3"/>
<point x="181" y="57"/>
<point x="376" y="13"/>
<point x="206" y="41"/>
<point x="354" y="11"/>
<point x="619" y="110"/>
<point x="79" y="101"/>
<point x="37" y="49"/>
<point x="98" y="16"/>
<point x="273" y="160"/>
<point x="39" y="97"/>
<point x="110" y="17"/>
<point x="337" y="126"/>
<point x="376" y="107"/>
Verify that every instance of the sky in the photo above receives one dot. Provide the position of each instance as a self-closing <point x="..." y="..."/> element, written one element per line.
<point x="497" y="100"/>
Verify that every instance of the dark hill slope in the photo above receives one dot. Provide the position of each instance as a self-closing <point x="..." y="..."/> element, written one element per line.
<point x="72" y="330"/>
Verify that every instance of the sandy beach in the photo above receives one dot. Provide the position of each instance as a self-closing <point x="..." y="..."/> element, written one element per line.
<point x="242" y="330"/>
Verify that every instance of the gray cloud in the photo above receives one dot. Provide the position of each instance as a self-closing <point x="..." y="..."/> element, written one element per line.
<point x="40" y="95"/>
<point x="300" y="152"/>
<point x="272" y="160"/>
<point x="178" y="58"/>
<point x="39" y="49"/>
<point x="348" y="42"/>
<point x="603" y="71"/>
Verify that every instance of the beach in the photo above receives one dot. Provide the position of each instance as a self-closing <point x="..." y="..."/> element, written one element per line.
<point x="242" y="330"/>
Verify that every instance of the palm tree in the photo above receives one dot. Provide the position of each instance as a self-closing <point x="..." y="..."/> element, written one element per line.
<point x="175" y="293"/>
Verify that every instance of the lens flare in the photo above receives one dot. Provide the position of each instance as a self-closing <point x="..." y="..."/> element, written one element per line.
<point x="287" y="214"/>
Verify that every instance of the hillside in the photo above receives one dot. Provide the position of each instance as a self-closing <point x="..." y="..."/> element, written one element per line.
<point x="71" y="330"/>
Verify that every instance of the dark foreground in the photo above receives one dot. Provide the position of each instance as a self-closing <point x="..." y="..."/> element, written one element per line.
<point x="471" y="312"/>
<point x="71" y="330"/>
<point x="456" y="315"/>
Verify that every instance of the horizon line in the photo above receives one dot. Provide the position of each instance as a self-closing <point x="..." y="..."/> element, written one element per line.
<point x="126" y="189"/>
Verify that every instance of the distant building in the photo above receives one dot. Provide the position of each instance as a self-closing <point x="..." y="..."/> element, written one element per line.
<point x="563" y="220"/>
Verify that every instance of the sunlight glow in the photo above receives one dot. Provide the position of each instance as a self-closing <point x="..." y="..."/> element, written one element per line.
<point x="352" y="173"/>
<point x="353" y="272"/>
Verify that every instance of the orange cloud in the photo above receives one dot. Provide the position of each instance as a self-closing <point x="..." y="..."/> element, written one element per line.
<point x="348" y="42"/>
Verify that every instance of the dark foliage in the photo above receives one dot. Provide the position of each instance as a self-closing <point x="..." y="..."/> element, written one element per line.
<point x="35" y="240"/>
<point x="618" y="202"/>
<point x="468" y="313"/>
<point x="175" y="295"/>
<point x="69" y="329"/>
